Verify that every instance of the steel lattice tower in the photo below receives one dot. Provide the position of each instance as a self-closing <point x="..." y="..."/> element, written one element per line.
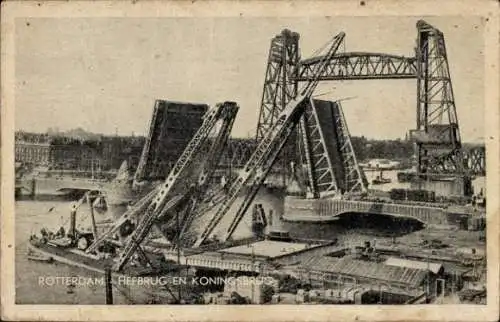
<point x="322" y="161"/>
<point x="280" y="84"/>
<point x="437" y="137"/>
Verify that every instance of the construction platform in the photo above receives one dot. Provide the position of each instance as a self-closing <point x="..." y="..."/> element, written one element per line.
<point x="255" y="257"/>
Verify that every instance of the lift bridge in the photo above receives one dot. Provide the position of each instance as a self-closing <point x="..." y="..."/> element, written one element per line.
<point x="183" y="208"/>
<point x="439" y="147"/>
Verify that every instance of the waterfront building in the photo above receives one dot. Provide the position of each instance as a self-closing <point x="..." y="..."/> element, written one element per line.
<point x="31" y="149"/>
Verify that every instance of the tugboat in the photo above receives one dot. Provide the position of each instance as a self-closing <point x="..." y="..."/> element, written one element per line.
<point x="380" y="179"/>
<point x="69" y="246"/>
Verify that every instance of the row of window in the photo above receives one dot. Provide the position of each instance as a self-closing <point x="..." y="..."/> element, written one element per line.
<point x="31" y="154"/>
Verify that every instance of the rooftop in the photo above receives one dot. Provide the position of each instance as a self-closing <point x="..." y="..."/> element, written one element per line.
<point x="357" y="268"/>
<point x="268" y="248"/>
<point x="401" y="262"/>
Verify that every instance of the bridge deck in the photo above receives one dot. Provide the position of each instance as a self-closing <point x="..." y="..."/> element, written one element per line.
<point x="323" y="210"/>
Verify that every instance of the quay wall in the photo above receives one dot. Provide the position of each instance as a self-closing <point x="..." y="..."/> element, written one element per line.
<point x="324" y="210"/>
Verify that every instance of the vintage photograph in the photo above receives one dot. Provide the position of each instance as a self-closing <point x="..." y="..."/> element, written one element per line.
<point x="250" y="160"/>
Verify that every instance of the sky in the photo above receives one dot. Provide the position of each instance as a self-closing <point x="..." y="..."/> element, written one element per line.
<point x="104" y="74"/>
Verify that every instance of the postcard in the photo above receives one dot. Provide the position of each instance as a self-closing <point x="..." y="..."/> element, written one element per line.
<point x="250" y="160"/>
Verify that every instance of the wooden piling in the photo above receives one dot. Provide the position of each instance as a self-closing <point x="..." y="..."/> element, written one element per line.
<point x="178" y="224"/>
<point x="33" y="188"/>
<point x="92" y="217"/>
<point x="72" y="224"/>
<point x="109" y="286"/>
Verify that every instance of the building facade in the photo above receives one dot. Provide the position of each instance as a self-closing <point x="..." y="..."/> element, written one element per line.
<point x="32" y="153"/>
<point x="59" y="152"/>
<point x="31" y="148"/>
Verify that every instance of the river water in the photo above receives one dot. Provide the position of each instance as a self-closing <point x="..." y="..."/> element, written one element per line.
<point x="32" y="215"/>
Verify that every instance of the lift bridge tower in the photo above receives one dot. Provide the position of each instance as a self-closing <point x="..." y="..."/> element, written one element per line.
<point x="323" y="141"/>
<point x="437" y="135"/>
<point x="280" y="87"/>
<point x="321" y="144"/>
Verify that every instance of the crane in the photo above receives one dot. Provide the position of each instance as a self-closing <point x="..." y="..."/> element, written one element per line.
<point x="184" y="186"/>
<point x="261" y="161"/>
<point x="180" y="193"/>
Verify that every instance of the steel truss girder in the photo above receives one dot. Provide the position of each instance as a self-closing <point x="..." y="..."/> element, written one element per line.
<point x="315" y="154"/>
<point x="361" y="65"/>
<point x="440" y="163"/>
<point x="238" y="151"/>
<point x="475" y="160"/>
<point x="355" y="181"/>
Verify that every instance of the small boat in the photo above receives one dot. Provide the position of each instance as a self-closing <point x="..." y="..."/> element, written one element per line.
<point x="38" y="257"/>
<point x="100" y="203"/>
<point x="381" y="180"/>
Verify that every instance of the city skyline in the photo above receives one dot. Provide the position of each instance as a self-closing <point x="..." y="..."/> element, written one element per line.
<point x="104" y="74"/>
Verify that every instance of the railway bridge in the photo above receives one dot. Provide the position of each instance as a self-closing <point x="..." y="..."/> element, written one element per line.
<point x="239" y="150"/>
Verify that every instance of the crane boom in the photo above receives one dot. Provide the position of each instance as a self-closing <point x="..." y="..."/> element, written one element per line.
<point x="261" y="161"/>
<point x="138" y="208"/>
<point x="225" y="112"/>
<point x="212" y="159"/>
<point x="174" y="190"/>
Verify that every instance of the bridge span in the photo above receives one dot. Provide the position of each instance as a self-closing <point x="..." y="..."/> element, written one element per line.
<point x="238" y="152"/>
<point x="324" y="210"/>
